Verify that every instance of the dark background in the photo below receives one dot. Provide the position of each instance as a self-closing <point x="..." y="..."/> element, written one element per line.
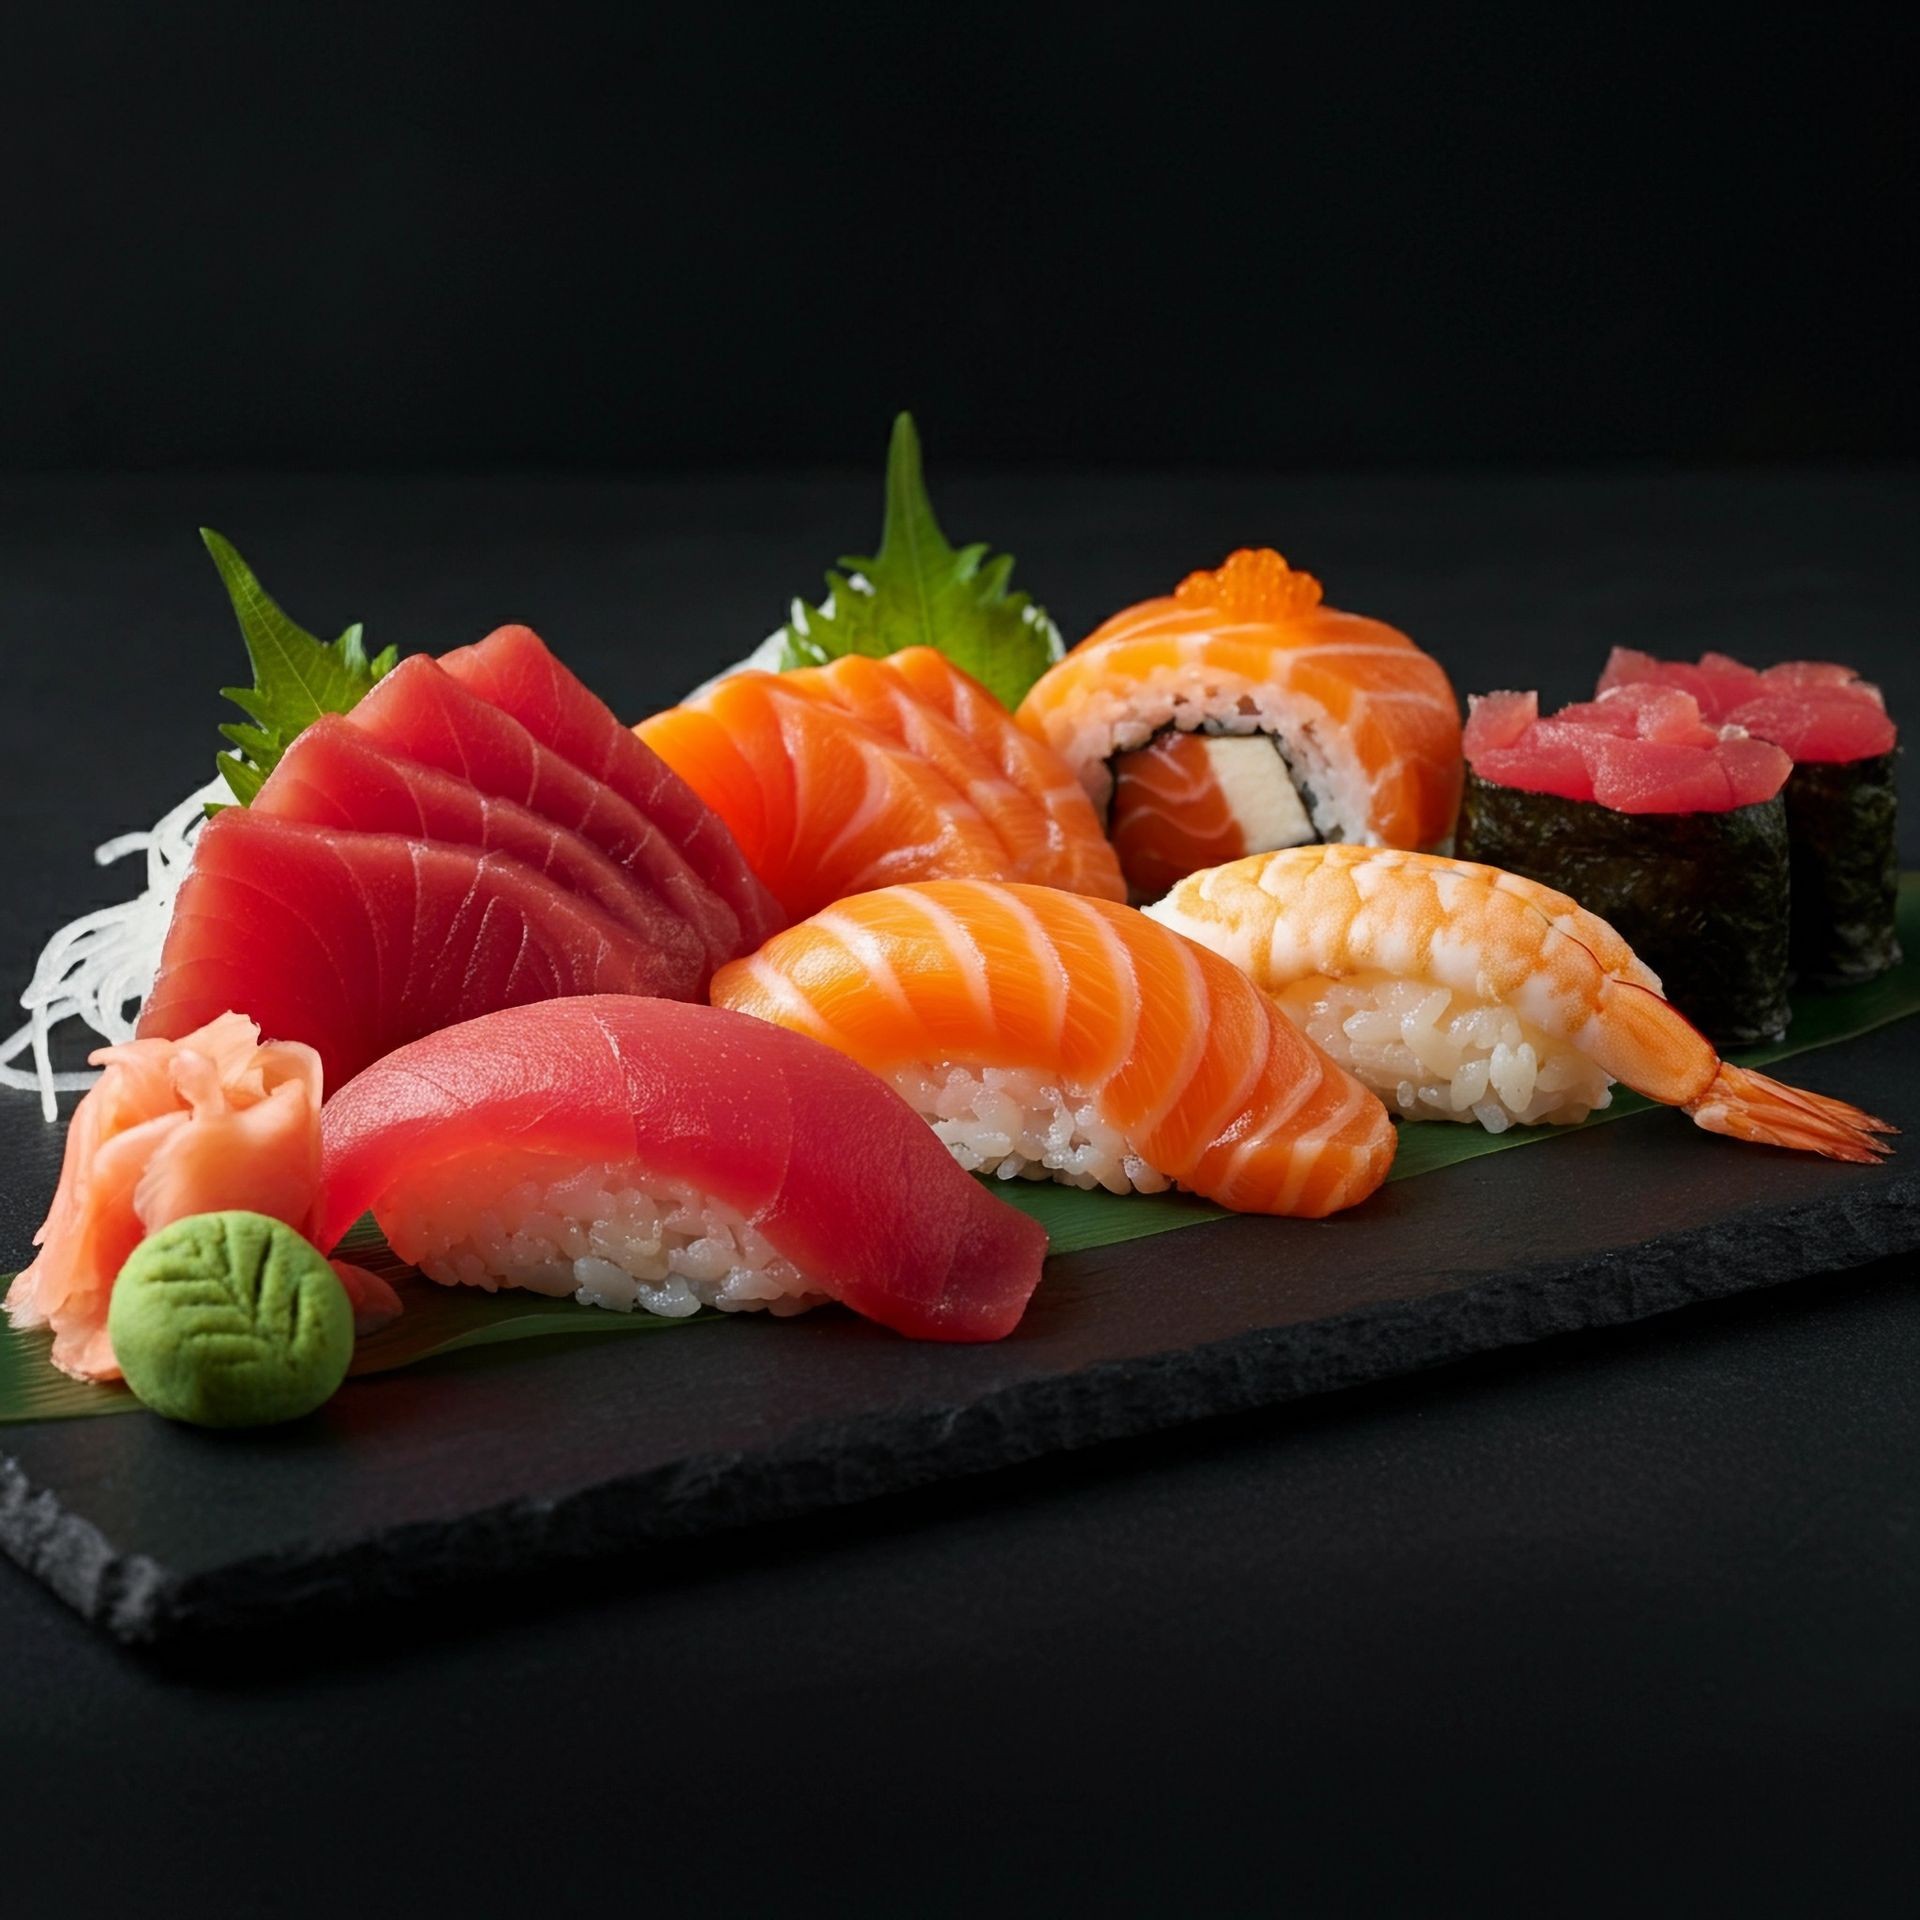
<point x="1622" y="1623"/>
<point x="661" y="238"/>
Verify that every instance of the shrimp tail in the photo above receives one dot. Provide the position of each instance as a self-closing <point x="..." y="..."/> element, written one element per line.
<point x="1750" y="1106"/>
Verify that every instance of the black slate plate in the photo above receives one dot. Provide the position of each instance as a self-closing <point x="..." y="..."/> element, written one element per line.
<point x="566" y="1450"/>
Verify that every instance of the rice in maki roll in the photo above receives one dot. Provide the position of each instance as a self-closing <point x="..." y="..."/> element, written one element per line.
<point x="1672" y="830"/>
<point x="1840" y="798"/>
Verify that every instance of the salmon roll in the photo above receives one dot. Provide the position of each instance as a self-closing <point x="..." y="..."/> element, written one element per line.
<point x="1241" y="714"/>
<point x="1045" y="1035"/>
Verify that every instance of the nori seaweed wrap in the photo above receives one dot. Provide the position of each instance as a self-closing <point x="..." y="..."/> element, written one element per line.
<point x="1840" y="797"/>
<point x="1701" y="897"/>
<point x="1846" y="869"/>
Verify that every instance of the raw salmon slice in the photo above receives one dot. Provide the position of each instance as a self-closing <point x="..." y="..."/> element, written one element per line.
<point x="1025" y="792"/>
<point x="821" y="803"/>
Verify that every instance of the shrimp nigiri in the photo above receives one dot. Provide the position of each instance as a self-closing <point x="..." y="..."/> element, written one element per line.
<point x="1461" y="992"/>
<point x="1044" y="1033"/>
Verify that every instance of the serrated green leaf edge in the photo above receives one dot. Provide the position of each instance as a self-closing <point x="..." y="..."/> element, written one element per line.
<point x="913" y="562"/>
<point x="297" y="676"/>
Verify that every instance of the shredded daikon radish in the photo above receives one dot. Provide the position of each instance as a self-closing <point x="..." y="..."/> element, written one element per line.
<point x="100" y="966"/>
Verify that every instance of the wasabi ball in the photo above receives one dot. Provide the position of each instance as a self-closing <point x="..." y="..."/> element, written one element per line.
<point x="230" y="1320"/>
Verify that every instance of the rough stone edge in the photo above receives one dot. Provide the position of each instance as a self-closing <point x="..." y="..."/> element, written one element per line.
<point x="841" y="1463"/>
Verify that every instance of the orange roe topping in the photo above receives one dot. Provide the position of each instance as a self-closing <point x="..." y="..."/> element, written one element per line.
<point x="1254" y="584"/>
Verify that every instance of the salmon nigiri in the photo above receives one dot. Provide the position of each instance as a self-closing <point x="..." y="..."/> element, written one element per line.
<point x="1306" y="724"/>
<point x="1045" y="1034"/>
<point x="838" y="779"/>
<point x="1462" y="992"/>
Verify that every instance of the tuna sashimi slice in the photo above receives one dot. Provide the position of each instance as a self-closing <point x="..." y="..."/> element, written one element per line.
<point x="359" y="942"/>
<point x="514" y="669"/>
<point x="336" y="775"/>
<point x="830" y="1165"/>
<point x="426" y="715"/>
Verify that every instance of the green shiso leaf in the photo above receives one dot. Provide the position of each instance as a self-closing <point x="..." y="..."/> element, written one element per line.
<point x="921" y="591"/>
<point x="296" y="677"/>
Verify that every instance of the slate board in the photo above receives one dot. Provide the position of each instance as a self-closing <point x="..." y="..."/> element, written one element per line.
<point x="518" y="1459"/>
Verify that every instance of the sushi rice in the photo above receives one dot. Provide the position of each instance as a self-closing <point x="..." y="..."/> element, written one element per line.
<point x="609" y="1234"/>
<point x="1432" y="1054"/>
<point x="1016" y="1123"/>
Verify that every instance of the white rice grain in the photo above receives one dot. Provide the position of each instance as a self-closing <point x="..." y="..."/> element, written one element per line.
<point x="609" y="1234"/>
<point x="1015" y="1123"/>
<point x="1432" y="1054"/>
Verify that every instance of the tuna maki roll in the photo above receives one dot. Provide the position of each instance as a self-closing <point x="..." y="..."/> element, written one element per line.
<point x="1668" y="828"/>
<point x="1840" y="798"/>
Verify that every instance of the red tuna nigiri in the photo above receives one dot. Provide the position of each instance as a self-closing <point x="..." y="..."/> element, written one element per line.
<point x="724" y="1160"/>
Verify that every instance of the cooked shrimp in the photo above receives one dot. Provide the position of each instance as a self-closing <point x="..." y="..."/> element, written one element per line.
<point x="1459" y="991"/>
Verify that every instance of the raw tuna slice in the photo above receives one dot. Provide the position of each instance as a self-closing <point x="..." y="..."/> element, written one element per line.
<point x="359" y="942"/>
<point x="823" y="1179"/>
<point x="426" y="715"/>
<point x="1816" y="710"/>
<point x="335" y="775"/>
<point x="514" y="669"/>
<point x="1636" y="749"/>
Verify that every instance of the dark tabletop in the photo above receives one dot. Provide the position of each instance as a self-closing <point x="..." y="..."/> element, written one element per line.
<point x="1629" y="1614"/>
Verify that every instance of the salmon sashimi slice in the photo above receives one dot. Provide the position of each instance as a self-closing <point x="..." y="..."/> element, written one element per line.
<point x="514" y="670"/>
<point x="1367" y="720"/>
<point x="821" y="803"/>
<point x="336" y="775"/>
<point x="355" y="943"/>
<point x="200" y="1124"/>
<point x="1046" y="1032"/>
<point x="1023" y="789"/>
<point x="424" y="714"/>
<point x="804" y="1150"/>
